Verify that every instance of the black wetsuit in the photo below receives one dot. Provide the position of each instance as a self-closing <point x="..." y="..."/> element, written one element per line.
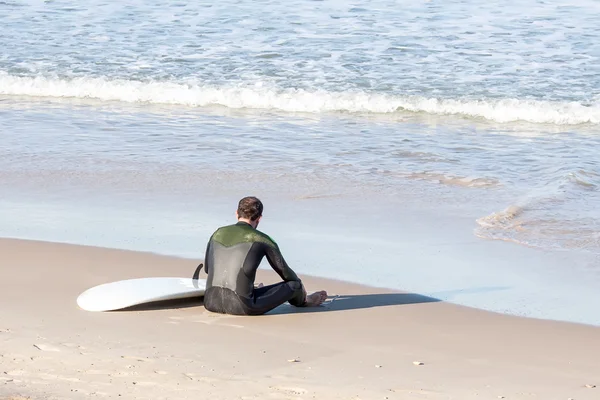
<point x="233" y="255"/>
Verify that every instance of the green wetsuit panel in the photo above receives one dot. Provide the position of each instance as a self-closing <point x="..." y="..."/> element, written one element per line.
<point x="233" y="255"/>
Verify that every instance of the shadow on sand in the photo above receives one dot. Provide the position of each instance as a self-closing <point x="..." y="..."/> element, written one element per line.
<point x="333" y="303"/>
<point x="358" y="301"/>
<point x="166" y="305"/>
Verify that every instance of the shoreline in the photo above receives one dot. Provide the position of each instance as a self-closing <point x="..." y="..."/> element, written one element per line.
<point x="413" y="235"/>
<point x="264" y="268"/>
<point x="364" y="344"/>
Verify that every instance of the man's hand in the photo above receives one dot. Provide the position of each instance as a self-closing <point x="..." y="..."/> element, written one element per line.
<point x="304" y="292"/>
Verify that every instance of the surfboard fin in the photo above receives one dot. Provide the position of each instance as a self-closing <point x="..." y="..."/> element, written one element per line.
<point x="197" y="271"/>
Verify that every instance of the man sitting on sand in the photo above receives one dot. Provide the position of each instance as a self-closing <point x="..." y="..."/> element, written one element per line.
<point x="233" y="255"/>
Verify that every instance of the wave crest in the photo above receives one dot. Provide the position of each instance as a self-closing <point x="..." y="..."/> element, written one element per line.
<point x="258" y="96"/>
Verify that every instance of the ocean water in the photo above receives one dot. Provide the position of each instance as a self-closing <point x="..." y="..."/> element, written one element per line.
<point x="450" y="148"/>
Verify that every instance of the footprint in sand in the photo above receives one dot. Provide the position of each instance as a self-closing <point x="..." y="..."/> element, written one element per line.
<point x="73" y="346"/>
<point x="296" y="391"/>
<point x="201" y="378"/>
<point x="96" y="372"/>
<point x="52" y="377"/>
<point x="46" y="347"/>
<point x="40" y="358"/>
<point x="141" y="359"/>
<point x="101" y="394"/>
<point x="16" y="372"/>
<point x="232" y="326"/>
<point x="207" y="321"/>
<point x="280" y="378"/>
<point x="212" y="319"/>
<point x="121" y="374"/>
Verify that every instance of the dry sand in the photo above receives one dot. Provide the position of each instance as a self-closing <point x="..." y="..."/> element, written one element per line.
<point x="362" y="344"/>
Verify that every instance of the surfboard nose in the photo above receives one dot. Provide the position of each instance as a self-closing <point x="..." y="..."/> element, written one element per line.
<point x="130" y="292"/>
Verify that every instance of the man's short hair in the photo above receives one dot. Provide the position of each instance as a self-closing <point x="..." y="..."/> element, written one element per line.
<point x="250" y="207"/>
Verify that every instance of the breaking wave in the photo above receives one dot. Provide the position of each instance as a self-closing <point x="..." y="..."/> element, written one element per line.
<point x="259" y="96"/>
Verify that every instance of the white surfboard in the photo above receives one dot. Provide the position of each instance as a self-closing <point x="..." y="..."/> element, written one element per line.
<point x="132" y="292"/>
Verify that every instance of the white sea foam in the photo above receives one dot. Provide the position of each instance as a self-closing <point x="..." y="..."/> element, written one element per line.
<point x="451" y="180"/>
<point x="258" y="96"/>
<point x="555" y="215"/>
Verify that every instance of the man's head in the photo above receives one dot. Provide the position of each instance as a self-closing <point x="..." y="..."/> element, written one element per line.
<point x="250" y="208"/>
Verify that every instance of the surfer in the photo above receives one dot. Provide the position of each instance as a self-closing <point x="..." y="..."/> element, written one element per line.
<point x="233" y="255"/>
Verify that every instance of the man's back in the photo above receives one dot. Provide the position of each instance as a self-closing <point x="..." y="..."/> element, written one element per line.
<point x="234" y="254"/>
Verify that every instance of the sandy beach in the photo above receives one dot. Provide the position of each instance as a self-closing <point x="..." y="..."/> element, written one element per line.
<point x="364" y="343"/>
<point x="432" y="165"/>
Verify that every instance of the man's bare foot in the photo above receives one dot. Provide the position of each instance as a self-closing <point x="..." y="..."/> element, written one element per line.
<point x="316" y="298"/>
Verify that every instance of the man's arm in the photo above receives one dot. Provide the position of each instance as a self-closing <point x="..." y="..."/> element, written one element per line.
<point x="278" y="263"/>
